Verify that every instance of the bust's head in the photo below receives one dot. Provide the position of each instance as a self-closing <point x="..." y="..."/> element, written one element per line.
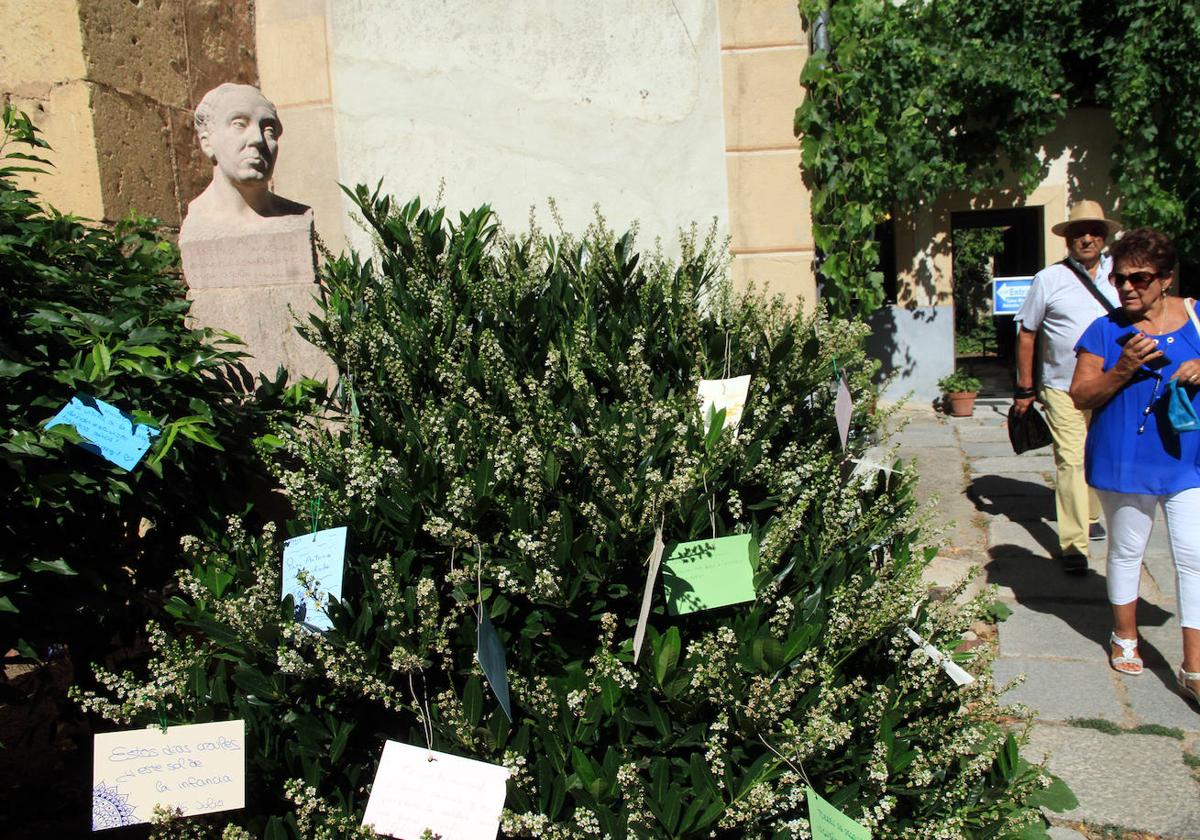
<point x="239" y="131"/>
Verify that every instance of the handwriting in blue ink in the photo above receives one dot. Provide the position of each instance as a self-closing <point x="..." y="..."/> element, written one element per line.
<point x="312" y="574"/>
<point x="106" y="430"/>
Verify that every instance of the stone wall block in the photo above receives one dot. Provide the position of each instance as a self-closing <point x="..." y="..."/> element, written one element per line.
<point x="220" y="45"/>
<point x="134" y="151"/>
<point x="41" y="48"/>
<point x="762" y="92"/>
<point x="192" y="169"/>
<point x="791" y="275"/>
<point x="72" y="184"/>
<point x="760" y="23"/>
<point x="768" y="203"/>
<point x="137" y="46"/>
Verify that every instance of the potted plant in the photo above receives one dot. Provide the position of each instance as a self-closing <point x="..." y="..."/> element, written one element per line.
<point x="960" y="389"/>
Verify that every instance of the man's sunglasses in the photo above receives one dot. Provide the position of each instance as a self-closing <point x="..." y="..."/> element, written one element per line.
<point x="1137" y="279"/>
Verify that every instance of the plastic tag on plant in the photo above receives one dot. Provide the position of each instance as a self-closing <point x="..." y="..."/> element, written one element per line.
<point x="843" y="408"/>
<point x="312" y="573"/>
<point x="953" y="670"/>
<point x="418" y="790"/>
<point x="828" y="823"/>
<point x="656" y="553"/>
<point x="727" y="394"/>
<point x="106" y="430"/>
<point x="491" y="659"/>
<point x="706" y="574"/>
<point x="199" y="769"/>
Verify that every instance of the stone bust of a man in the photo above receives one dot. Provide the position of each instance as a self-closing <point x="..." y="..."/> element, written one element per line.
<point x="239" y="131"/>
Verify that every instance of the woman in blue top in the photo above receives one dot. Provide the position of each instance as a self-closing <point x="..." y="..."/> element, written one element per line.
<point x="1134" y="457"/>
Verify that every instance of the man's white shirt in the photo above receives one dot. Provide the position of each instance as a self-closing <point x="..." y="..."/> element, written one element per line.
<point x="1062" y="309"/>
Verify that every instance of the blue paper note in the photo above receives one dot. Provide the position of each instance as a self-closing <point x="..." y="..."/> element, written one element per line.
<point x="491" y="659"/>
<point x="107" y="430"/>
<point x="319" y="557"/>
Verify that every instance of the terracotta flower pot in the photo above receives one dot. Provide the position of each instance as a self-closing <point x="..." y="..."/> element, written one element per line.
<point x="961" y="403"/>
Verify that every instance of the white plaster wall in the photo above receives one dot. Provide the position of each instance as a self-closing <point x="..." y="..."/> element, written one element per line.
<point x="511" y="102"/>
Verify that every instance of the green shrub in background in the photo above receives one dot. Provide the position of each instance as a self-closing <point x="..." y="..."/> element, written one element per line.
<point x="87" y="309"/>
<point x="519" y="415"/>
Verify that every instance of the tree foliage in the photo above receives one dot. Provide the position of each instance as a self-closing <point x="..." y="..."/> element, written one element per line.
<point x="519" y="416"/>
<point x="916" y="99"/>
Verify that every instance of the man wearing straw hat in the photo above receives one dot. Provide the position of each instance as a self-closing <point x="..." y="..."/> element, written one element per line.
<point x="1063" y="301"/>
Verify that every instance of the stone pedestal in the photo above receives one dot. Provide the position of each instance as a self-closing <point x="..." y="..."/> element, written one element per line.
<point x="250" y="282"/>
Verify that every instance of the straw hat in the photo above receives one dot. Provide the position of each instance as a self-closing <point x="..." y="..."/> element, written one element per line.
<point x="1086" y="211"/>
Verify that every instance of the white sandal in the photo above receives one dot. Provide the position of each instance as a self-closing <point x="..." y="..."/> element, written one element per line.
<point x="1128" y="646"/>
<point x="1182" y="677"/>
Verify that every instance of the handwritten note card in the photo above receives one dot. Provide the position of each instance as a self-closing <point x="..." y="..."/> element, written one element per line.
<point x="198" y="769"/>
<point x="728" y="394"/>
<point x="828" y="823"/>
<point x="710" y="573"/>
<point x="107" y="431"/>
<point x="418" y="789"/>
<point x="312" y="566"/>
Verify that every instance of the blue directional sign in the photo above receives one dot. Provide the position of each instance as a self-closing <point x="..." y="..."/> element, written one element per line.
<point x="1008" y="293"/>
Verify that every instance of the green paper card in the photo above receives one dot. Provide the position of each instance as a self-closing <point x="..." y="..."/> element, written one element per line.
<point x="706" y="574"/>
<point x="828" y="823"/>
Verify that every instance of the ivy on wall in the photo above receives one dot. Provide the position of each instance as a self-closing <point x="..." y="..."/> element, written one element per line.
<point x="917" y="99"/>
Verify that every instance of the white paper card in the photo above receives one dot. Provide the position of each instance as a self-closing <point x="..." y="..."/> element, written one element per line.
<point x="728" y="394"/>
<point x="321" y="556"/>
<point x="198" y="769"/>
<point x="417" y="789"/>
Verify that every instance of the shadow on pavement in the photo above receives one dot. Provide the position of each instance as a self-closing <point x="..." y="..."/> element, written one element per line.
<point x="1026" y="502"/>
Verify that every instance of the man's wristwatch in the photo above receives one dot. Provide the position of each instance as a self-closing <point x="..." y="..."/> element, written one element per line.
<point x="1020" y="393"/>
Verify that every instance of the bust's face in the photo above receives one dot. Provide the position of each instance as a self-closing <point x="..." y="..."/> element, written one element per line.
<point x="244" y="136"/>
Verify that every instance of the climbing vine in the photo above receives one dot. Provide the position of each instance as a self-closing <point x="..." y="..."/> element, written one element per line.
<point x="917" y="99"/>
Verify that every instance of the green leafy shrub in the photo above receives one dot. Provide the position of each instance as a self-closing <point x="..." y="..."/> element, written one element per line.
<point x="518" y="417"/>
<point x="959" y="382"/>
<point x="99" y="311"/>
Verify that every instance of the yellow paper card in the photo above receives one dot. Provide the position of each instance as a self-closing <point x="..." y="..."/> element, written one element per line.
<point x="828" y="823"/>
<point x="198" y="769"/>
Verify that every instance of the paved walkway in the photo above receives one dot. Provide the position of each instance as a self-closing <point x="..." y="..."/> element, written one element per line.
<point x="1126" y="762"/>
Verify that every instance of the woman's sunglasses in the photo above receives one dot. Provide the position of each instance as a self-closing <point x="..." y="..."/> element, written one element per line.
<point x="1137" y="279"/>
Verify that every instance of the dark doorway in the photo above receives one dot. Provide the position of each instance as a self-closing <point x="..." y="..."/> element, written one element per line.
<point x="1009" y="242"/>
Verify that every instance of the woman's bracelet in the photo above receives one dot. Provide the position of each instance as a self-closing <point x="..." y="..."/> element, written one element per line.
<point x="1020" y="393"/>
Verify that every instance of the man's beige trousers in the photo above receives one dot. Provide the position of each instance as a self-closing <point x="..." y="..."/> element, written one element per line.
<point x="1075" y="504"/>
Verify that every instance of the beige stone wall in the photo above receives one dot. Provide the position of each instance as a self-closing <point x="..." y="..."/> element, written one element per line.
<point x="112" y="84"/>
<point x="293" y="65"/>
<point x="763" y="50"/>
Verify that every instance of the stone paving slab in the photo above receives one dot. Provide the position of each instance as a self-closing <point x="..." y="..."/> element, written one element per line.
<point x="1137" y="782"/>
<point x="1010" y="464"/>
<point x="992" y="449"/>
<point x="1061" y="689"/>
<point x="1034" y="537"/>
<point x="1154" y="698"/>
<point x="1057" y="832"/>
<point x="1023" y="575"/>
<point x="991" y="488"/>
<point x="1057" y="629"/>
<point x="982" y="434"/>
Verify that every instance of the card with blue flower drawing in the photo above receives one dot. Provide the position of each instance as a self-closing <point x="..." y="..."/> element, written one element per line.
<point x="197" y="769"/>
